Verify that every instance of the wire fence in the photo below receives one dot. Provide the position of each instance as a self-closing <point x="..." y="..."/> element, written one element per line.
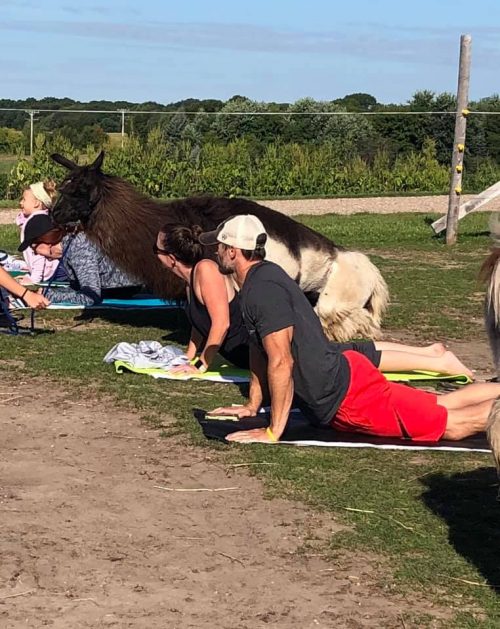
<point x="230" y="165"/>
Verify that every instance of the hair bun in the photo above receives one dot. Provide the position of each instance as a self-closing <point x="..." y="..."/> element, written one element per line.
<point x="196" y="230"/>
<point x="50" y="187"/>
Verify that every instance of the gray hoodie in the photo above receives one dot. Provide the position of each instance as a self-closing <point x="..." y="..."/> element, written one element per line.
<point x="89" y="271"/>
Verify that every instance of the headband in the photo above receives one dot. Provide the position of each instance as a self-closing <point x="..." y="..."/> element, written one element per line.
<point x="40" y="193"/>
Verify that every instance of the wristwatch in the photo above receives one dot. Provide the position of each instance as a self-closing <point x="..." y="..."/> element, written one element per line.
<point x="200" y="365"/>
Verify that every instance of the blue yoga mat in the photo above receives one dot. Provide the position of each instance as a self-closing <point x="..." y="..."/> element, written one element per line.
<point x="125" y="304"/>
<point x="136" y="303"/>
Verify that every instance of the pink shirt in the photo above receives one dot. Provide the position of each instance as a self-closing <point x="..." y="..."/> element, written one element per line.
<point x="40" y="269"/>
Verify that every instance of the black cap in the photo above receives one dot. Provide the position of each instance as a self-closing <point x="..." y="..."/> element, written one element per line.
<point x="35" y="227"/>
<point x="210" y="238"/>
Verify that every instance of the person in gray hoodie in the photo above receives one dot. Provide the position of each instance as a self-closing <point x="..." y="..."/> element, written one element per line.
<point x="91" y="274"/>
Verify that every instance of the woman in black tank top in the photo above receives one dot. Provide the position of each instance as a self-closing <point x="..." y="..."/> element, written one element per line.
<point x="213" y="306"/>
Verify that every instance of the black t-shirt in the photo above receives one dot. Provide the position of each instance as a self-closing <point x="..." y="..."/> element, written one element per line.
<point x="271" y="301"/>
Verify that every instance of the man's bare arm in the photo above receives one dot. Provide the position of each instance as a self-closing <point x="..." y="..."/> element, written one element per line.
<point x="280" y="381"/>
<point x="258" y="378"/>
<point x="257" y="386"/>
<point x="279" y="377"/>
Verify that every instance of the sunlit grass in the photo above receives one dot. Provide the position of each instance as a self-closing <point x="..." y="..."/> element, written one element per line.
<point x="432" y="517"/>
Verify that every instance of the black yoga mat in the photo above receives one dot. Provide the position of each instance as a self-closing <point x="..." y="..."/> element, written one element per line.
<point x="300" y="433"/>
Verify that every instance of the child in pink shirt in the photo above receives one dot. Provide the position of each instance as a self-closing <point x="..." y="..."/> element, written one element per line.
<point x="36" y="199"/>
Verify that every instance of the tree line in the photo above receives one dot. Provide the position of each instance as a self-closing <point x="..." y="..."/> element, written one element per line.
<point x="348" y="152"/>
<point x="365" y="135"/>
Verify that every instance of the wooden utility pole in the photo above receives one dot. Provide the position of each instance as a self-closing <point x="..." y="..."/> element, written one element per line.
<point x="457" y="161"/>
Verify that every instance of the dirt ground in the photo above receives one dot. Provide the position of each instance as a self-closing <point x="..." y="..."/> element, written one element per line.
<point x="92" y="537"/>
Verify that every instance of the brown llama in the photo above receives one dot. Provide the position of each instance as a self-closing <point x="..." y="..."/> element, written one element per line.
<point x="347" y="290"/>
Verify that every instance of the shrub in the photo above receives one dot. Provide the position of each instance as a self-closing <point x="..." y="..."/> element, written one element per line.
<point x="160" y="167"/>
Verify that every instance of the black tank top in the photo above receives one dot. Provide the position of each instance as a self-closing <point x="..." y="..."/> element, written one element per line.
<point x="235" y="346"/>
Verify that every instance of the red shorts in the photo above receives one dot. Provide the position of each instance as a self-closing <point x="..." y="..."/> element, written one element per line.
<point x="375" y="406"/>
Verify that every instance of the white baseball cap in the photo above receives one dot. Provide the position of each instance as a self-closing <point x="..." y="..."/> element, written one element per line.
<point x="244" y="231"/>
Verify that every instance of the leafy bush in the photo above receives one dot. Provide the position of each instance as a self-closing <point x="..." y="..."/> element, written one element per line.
<point x="484" y="173"/>
<point x="11" y="140"/>
<point x="41" y="166"/>
<point x="160" y="167"/>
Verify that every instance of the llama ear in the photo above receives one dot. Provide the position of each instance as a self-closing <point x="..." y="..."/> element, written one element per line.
<point x="96" y="165"/>
<point x="64" y="161"/>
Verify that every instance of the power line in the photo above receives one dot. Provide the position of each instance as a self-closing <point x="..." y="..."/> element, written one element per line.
<point x="250" y="113"/>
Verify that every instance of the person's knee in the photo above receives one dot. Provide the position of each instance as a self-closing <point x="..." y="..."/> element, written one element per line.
<point x="456" y="426"/>
<point x="462" y="423"/>
<point x="455" y="433"/>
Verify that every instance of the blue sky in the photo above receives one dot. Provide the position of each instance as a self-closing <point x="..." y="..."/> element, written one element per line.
<point x="269" y="50"/>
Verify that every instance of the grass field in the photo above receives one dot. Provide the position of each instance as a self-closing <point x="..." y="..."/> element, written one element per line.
<point x="430" y="518"/>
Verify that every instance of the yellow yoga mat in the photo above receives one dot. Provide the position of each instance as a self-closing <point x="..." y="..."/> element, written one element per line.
<point x="228" y="373"/>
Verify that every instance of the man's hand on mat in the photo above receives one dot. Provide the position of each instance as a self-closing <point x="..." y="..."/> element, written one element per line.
<point x="187" y="368"/>
<point x="239" y="410"/>
<point x="35" y="300"/>
<point x="249" y="436"/>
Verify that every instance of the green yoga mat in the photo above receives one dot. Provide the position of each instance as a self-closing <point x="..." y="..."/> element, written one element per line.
<point x="224" y="373"/>
<point x="423" y="376"/>
<point x="228" y="373"/>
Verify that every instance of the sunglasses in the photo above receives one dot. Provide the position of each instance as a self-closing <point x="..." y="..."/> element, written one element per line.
<point x="157" y="250"/>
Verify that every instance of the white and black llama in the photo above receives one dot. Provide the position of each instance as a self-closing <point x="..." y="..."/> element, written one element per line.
<point x="347" y="290"/>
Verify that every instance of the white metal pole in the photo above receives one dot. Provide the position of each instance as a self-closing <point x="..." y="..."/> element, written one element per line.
<point x="32" y="114"/>
<point x="123" y="127"/>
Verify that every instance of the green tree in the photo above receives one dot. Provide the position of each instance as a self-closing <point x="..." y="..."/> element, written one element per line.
<point x="11" y="140"/>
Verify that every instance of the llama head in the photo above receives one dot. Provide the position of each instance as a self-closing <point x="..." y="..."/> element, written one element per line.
<point x="79" y="192"/>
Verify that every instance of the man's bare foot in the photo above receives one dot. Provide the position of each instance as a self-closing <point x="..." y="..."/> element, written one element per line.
<point x="436" y="349"/>
<point x="453" y="366"/>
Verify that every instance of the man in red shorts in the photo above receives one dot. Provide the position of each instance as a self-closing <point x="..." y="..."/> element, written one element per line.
<point x="290" y="357"/>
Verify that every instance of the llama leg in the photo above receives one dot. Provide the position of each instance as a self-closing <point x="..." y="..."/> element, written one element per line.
<point x="358" y="323"/>
<point x="353" y="299"/>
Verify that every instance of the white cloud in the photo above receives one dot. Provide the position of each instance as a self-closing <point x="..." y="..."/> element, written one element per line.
<point x="409" y="45"/>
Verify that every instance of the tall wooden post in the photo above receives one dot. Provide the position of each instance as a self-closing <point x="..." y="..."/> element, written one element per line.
<point x="457" y="161"/>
